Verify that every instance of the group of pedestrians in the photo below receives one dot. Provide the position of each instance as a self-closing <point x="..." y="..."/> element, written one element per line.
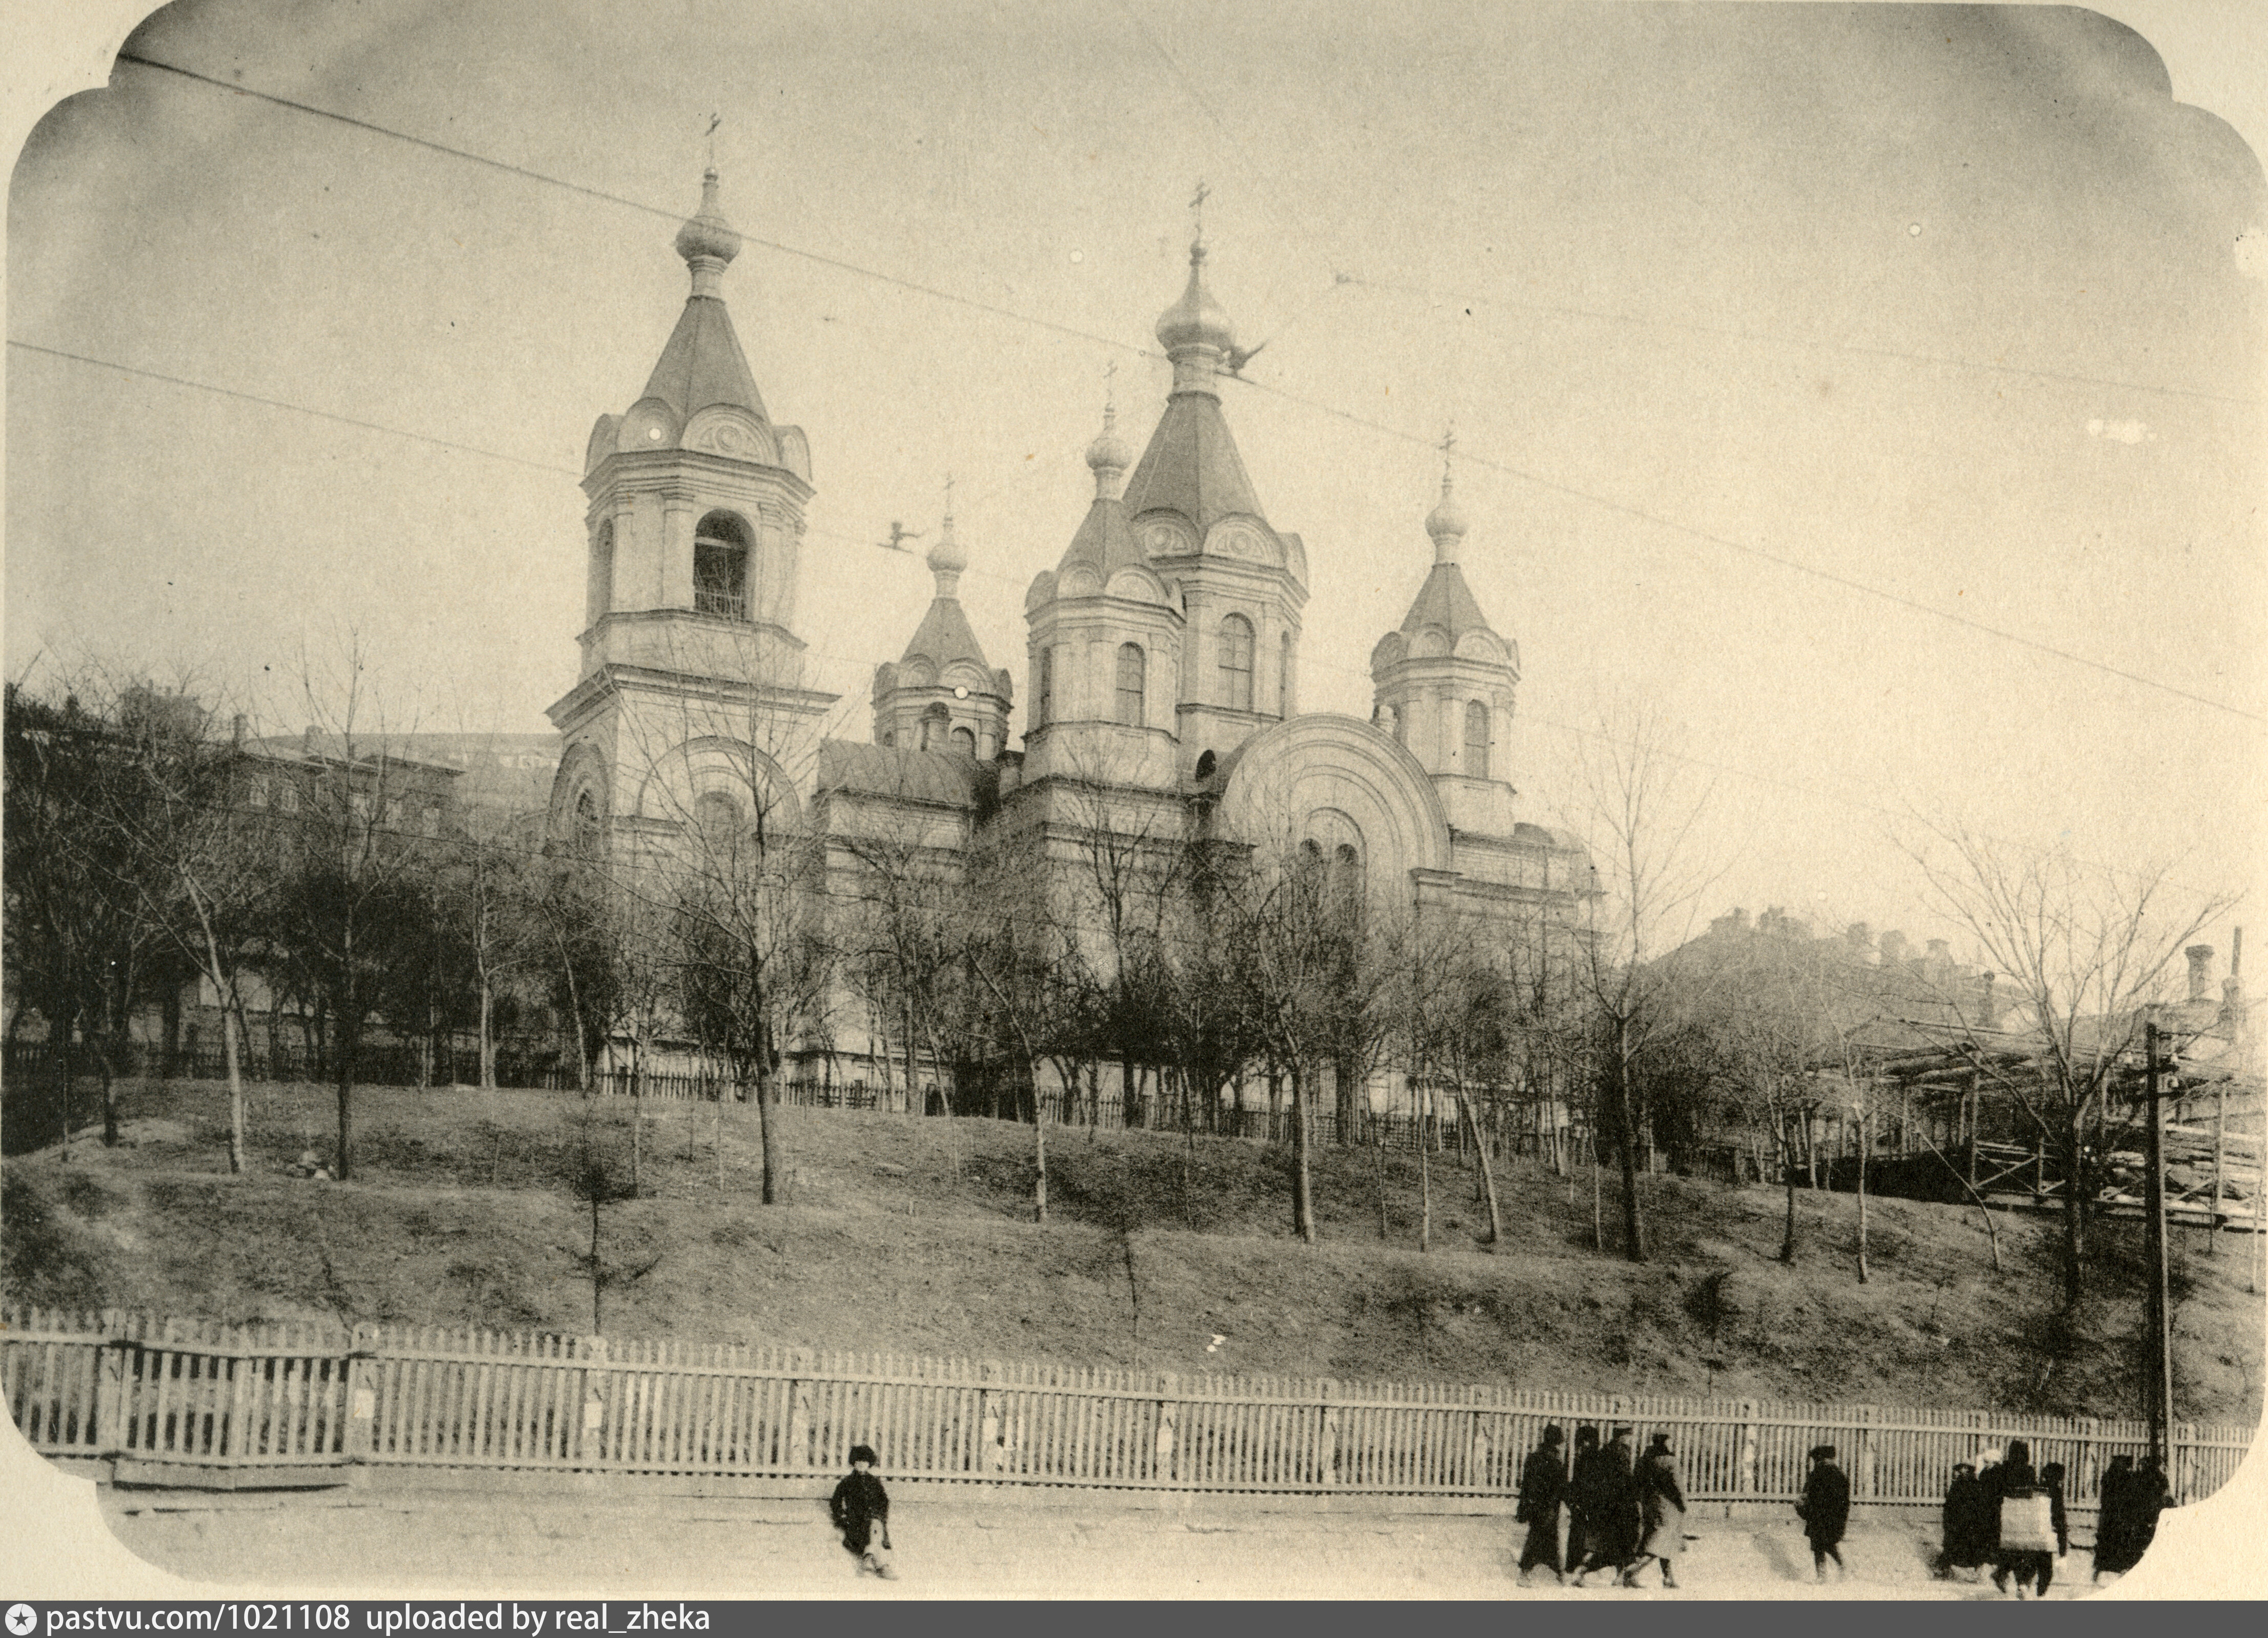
<point x="1625" y="1515"/>
<point x="2011" y="1519"/>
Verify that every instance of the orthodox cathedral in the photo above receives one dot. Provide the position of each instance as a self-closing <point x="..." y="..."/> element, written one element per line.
<point x="1162" y="658"/>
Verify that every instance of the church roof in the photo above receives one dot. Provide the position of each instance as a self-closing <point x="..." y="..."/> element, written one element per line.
<point x="1105" y="542"/>
<point x="1446" y="601"/>
<point x="1191" y="466"/>
<point x="703" y="364"/>
<point x="945" y="636"/>
<point x="873" y="770"/>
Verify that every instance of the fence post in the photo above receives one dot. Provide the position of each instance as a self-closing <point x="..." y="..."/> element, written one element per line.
<point x="1168" y="1423"/>
<point x="361" y="1395"/>
<point x="1864" y="1467"/>
<point x="1327" y="1453"/>
<point x="110" y="1385"/>
<point x="592" y="1430"/>
<point x="989" y="1412"/>
<point x="1746" y="1483"/>
<point x="799" y="1414"/>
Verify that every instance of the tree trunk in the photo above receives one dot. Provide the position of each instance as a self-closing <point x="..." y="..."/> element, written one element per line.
<point x="1862" y="1199"/>
<point x="766" y="1123"/>
<point x="1424" y="1169"/>
<point x="1039" y="1144"/>
<point x="488" y="1040"/>
<point x="1488" y="1172"/>
<point x="1303" y="1206"/>
<point x="347" y="1048"/>
<point x="1787" y="1177"/>
<point x="232" y="1018"/>
<point x="2074" y="1226"/>
<point x="1626" y="1117"/>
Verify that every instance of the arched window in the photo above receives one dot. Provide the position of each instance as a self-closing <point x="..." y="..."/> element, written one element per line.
<point x="602" y="571"/>
<point x="1236" y="662"/>
<point x="1043" y="698"/>
<point x="1207" y="763"/>
<point x="717" y="816"/>
<point x="933" y="723"/>
<point x="1346" y="873"/>
<point x="1477" y="740"/>
<point x="720" y="567"/>
<point x="586" y="838"/>
<point x="964" y="740"/>
<point x="1284" y="676"/>
<point x="1133" y="676"/>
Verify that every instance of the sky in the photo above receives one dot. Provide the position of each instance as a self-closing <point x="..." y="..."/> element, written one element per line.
<point x="1864" y="389"/>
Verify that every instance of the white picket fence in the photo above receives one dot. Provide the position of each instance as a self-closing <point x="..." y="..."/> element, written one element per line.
<point x="197" y="1395"/>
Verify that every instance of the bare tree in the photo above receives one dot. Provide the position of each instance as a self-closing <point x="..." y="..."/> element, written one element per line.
<point x="2083" y="951"/>
<point x="1642" y="813"/>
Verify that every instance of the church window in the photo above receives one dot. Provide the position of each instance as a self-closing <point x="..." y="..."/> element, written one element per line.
<point x="1477" y="740"/>
<point x="1284" y="676"/>
<point x="720" y="567"/>
<point x="715" y="815"/>
<point x="1346" y="874"/>
<point x="964" y="740"/>
<point x="602" y="570"/>
<point x="1133" y="674"/>
<point x="1045" y="696"/>
<point x="1236" y="662"/>
<point x="932" y="728"/>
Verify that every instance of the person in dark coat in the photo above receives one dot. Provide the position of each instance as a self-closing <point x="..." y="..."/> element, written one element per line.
<point x="2123" y="1533"/>
<point x="1542" y="1487"/>
<point x="2016" y="1480"/>
<point x="1611" y="1509"/>
<point x="1579" y="1482"/>
<point x="2112" y="1518"/>
<point x="1967" y="1539"/>
<point x="1825" y="1510"/>
<point x="861" y="1511"/>
<point x="1661" y="1512"/>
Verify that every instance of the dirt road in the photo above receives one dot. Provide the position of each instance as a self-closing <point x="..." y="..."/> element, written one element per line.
<point x="556" y="1547"/>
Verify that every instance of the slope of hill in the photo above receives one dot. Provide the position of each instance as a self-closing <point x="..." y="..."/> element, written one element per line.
<point x="915" y="1236"/>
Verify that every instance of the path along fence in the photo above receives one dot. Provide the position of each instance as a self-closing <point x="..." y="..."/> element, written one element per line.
<point x="191" y="1401"/>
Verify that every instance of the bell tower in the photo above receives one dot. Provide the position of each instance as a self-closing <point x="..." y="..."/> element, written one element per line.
<point x="692" y="537"/>
<point x="1444" y="684"/>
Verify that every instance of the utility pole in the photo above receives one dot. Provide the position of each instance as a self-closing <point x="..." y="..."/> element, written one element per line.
<point x="2161" y="1373"/>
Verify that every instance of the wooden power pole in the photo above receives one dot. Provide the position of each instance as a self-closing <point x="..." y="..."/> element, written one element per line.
<point x="2161" y="1373"/>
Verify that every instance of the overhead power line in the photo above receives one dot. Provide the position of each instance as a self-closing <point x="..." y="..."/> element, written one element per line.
<point x="1804" y="343"/>
<point x="627" y="203"/>
<point x="1726" y="542"/>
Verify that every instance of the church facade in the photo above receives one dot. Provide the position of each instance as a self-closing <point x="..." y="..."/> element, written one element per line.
<point x="1161" y="671"/>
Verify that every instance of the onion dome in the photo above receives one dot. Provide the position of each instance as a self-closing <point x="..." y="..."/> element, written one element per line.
<point x="1446" y="523"/>
<point x="1108" y="457"/>
<point x="706" y="235"/>
<point x="948" y="556"/>
<point x="1196" y="319"/>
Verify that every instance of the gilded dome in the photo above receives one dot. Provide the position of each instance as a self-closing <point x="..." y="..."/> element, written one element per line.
<point x="1196" y="319"/>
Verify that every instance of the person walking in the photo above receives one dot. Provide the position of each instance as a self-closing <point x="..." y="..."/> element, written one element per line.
<point x="2113" y="1523"/>
<point x="2051" y="1477"/>
<point x="1581" y="1481"/>
<point x="1661" y="1512"/>
<point x="1612" y="1508"/>
<point x="860" y="1509"/>
<point x="1825" y="1510"/>
<point x="2024" y="1543"/>
<point x="1543" y="1488"/>
<point x="1964" y="1543"/>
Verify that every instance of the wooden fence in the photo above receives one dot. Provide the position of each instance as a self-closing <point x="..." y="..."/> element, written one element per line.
<point x="195" y="1395"/>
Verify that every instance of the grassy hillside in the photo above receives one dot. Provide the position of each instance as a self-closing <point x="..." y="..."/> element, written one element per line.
<point x="915" y="1235"/>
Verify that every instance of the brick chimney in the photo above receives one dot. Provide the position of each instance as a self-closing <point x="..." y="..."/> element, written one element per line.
<point x="1941" y="951"/>
<point x="1894" y="947"/>
<point x="2200" y="978"/>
